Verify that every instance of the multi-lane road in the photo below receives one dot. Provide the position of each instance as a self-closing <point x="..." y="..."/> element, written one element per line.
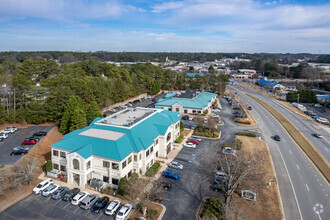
<point x="304" y="192"/>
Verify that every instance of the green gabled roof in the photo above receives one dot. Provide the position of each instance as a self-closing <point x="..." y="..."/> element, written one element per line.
<point x="135" y="139"/>
<point x="199" y="102"/>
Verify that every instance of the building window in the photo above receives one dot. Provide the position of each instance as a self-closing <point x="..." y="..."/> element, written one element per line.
<point x="185" y="111"/>
<point x="129" y="160"/>
<point x="62" y="154"/>
<point x="140" y="156"/>
<point x="75" y="164"/>
<point x="168" y="136"/>
<point x="177" y="110"/>
<point x="156" y="153"/>
<point x="152" y="162"/>
<point x="106" y="164"/>
<point x="88" y="165"/>
<point x="106" y="179"/>
<point x="135" y="157"/>
<point x="151" y="149"/>
<point x="55" y="153"/>
<point x="115" y="166"/>
<point x="199" y="112"/>
<point x="156" y="141"/>
<point x="123" y="165"/>
<point x="55" y="166"/>
<point x="63" y="168"/>
<point x="147" y="153"/>
<point x="194" y="111"/>
<point x="115" y="181"/>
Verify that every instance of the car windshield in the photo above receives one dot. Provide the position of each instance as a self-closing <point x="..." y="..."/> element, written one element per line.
<point x="120" y="213"/>
<point x="67" y="194"/>
<point x="39" y="186"/>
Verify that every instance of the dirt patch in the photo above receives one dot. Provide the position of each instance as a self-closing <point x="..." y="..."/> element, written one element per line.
<point x="186" y="132"/>
<point x="154" y="206"/>
<point x="267" y="205"/>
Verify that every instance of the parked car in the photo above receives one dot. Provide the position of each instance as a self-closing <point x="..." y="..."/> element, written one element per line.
<point x="70" y="194"/>
<point x="191" y="145"/>
<point x="277" y="138"/>
<point x="3" y="135"/>
<point x="89" y="201"/>
<point x="194" y="141"/>
<point x="193" y="127"/>
<point x="112" y="207"/>
<point x="228" y="151"/>
<point x="79" y="197"/>
<point x="60" y="192"/>
<point x="198" y="138"/>
<point x="40" y="134"/>
<point x="35" y="138"/>
<point x="318" y="135"/>
<point x="49" y="190"/>
<point x="9" y="130"/>
<point x="175" y="165"/>
<point x="41" y="186"/>
<point x="21" y="147"/>
<point x="29" y="141"/>
<point x="170" y="174"/>
<point x="167" y="185"/>
<point x="20" y="151"/>
<point x="1" y="139"/>
<point x="318" y="105"/>
<point x="185" y="117"/>
<point x="100" y="204"/>
<point x="124" y="212"/>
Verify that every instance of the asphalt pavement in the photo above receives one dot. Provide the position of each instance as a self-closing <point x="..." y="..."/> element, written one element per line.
<point x="304" y="192"/>
<point x="14" y="140"/>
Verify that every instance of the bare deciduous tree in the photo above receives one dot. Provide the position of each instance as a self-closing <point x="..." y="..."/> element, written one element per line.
<point x="198" y="121"/>
<point x="24" y="171"/>
<point x="211" y="122"/>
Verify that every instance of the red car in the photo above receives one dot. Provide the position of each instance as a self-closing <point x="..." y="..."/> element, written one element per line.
<point x="29" y="141"/>
<point x="194" y="141"/>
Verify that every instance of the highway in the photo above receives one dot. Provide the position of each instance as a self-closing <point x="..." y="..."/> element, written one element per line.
<point x="304" y="192"/>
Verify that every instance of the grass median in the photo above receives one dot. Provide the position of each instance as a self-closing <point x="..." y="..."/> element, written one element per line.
<point x="320" y="162"/>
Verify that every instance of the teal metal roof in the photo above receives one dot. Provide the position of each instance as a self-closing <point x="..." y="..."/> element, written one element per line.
<point x="135" y="139"/>
<point x="199" y="102"/>
<point x="195" y="74"/>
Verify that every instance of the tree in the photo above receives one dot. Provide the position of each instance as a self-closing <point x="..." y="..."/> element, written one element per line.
<point x="92" y="112"/>
<point x="24" y="171"/>
<point x="72" y="104"/>
<point x="191" y="69"/>
<point x="2" y="114"/>
<point x="211" y="123"/>
<point x="78" y="120"/>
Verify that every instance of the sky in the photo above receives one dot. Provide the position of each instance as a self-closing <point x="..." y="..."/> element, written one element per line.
<point x="279" y="26"/>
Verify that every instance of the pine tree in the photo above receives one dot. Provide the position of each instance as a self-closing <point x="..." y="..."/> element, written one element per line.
<point x="2" y="114"/>
<point x="73" y="103"/>
<point x="78" y="120"/>
<point x="92" y="112"/>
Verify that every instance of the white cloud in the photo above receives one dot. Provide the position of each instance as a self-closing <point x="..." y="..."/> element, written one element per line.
<point x="167" y="6"/>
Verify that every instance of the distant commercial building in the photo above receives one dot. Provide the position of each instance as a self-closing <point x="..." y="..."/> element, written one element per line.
<point x="127" y="142"/>
<point x="270" y="85"/>
<point x="188" y="101"/>
<point x="195" y="74"/>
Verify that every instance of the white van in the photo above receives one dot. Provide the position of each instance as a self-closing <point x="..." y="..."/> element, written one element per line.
<point x="43" y="185"/>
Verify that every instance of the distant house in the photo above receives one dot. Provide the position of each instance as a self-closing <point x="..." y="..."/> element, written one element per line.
<point x="270" y="85"/>
<point x="188" y="101"/>
<point x="195" y="74"/>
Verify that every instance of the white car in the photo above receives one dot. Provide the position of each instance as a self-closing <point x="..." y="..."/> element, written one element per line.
<point x="175" y="165"/>
<point x="41" y="186"/>
<point x="112" y="207"/>
<point x="3" y="135"/>
<point x="49" y="190"/>
<point x="191" y="145"/>
<point x="21" y="147"/>
<point x="124" y="212"/>
<point x="79" y="197"/>
<point x="9" y="129"/>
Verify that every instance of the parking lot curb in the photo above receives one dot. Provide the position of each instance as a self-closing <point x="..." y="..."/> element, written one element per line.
<point x="14" y="202"/>
<point x="163" y="211"/>
<point x="200" y="207"/>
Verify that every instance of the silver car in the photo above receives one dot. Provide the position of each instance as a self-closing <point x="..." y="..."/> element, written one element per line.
<point x="89" y="201"/>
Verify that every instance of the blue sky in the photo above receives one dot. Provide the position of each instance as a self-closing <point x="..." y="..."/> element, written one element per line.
<point x="166" y="26"/>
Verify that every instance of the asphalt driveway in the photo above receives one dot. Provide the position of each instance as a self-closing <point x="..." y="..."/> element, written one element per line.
<point x="16" y="139"/>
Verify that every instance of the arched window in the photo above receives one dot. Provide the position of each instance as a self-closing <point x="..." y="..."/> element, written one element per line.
<point x="75" y="164"/>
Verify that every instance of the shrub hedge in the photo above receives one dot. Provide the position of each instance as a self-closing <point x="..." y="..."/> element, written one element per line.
<point x="206" y="132"/>
<point x="153" y="169"/>
<point x="178" y="140"/>
<point x="246" y="134"/>
<point x="48" y="166"/>
<point x="244" y="122"/>
<point x="213" y="209"/>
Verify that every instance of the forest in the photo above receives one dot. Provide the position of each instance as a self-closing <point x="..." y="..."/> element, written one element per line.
<point x="42" y="90"/>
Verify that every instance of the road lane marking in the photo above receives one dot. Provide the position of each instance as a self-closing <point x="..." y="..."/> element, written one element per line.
<point x="277" y="130"/>
<point x="283" y="140"/>
<point x="307" y="187"/>
<point x="298" y="167"/>
<point x="290" y="151"/>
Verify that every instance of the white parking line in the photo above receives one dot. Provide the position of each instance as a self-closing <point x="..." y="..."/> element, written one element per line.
<point x="67" y="205"/>
<point x="298" y="167"/>
<point x="307" y="187"/>
<point x="99" y="216"/>
<point x="277" y="130"/>
<point x="76" y="209"/>
<point x="57" y="201"/>
<point x="290" y="151"/>
<point x="283" y="140"/>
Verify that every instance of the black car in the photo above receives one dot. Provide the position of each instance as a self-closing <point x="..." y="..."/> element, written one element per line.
<point x="250" y="108"/>
<point x="100" y="204"/>
<point x="20" y="151"/>
<point x="277" y="138"/>
<point x="185" y="117"/>
<point x="168" y="185"/>
<point x="70" y="194"/>
<point x="40" y="134"/>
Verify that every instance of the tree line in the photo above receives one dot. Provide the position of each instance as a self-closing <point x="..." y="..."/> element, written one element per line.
<point x="42" y="90"/>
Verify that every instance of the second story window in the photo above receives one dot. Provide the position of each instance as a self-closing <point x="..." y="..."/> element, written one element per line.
<point x="88" y="165"/>
<point x="129" y="160"/>
<point x="147" y="153"/>
<point x="135" y="157"/>
<point x="62" y="154"/>
<point x="156" y="141"/>
<point x="115" y="166"/>
<point x="123" y="165"/>
<point x="151" y="149"/>
<point x="106" y="164"/>
<point x="55" y="153"/>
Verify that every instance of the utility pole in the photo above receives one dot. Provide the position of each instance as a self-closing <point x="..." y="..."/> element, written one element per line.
<point x="14" y="105"/>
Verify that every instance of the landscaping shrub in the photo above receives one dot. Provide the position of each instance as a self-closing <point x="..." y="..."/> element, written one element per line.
<point x="235" y="145"/>
<point x="151" y="213"/>
<point x="206" y="132"/>
<point x="246" y="134"/>
<point x="121" y="187"/>
<point x="213" y="209"/>
<point x="244" y="122"/>
<point x="178" y="140"/>
<point x="153" y="169"/>
<point x="181" y="126"/>
<point x="48" y="166"/>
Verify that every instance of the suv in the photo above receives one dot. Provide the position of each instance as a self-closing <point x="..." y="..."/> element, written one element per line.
<point x="41" y="186"/>
<point x="19" y="151"/>
<point x="100" y="204"/>
<point x="3" y="135"/>
<point x="40" y="134"/>
<point x="112" y="207"/>
<point x="60" y="192"/>
<point x="175" y="165"/>
<point x="10" y="129"/>
<point x="70" y="194"/>
<point x="89" y="201"/>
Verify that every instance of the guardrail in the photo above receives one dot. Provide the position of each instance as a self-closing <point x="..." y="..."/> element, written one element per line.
<point x="320" y="162"/>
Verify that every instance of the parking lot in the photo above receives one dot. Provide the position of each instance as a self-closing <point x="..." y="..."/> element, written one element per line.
<point x="39" y="207"/>
<point x="16" y="139"/>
